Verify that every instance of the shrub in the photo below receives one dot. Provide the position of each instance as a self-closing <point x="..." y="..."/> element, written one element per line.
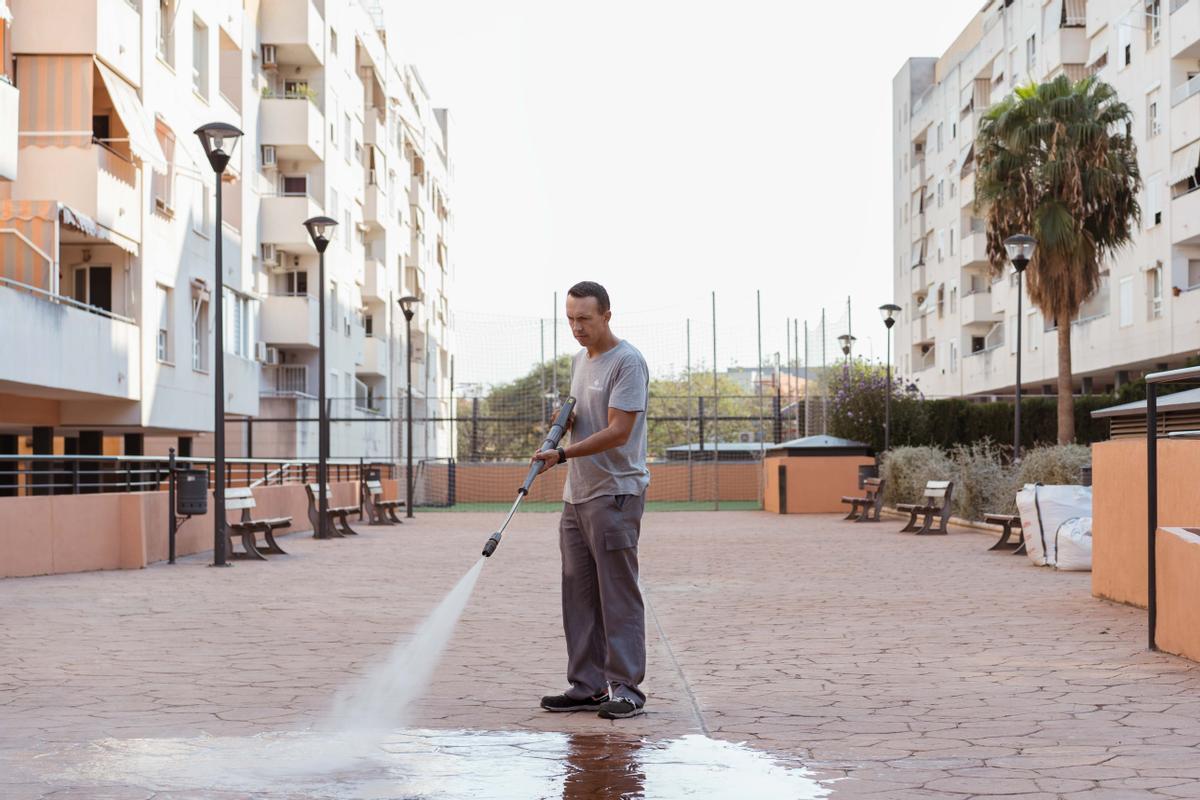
<point x="1054" y="465"/>
<point x="905" y="471"/>
<point x="982" y="482"/>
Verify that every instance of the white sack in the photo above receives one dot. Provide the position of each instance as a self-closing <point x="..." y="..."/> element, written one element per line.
<point x="1042" y="509"/>
<point x="1073" y="545"/>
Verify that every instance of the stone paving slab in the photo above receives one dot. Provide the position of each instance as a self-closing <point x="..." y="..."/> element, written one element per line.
<point x="909" y="667"/>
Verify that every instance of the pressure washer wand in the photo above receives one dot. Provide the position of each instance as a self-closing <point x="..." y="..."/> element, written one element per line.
<point x="552" y="439"/>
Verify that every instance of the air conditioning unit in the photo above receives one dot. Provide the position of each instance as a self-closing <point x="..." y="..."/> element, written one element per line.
<point x="271" y="355"/>
<point x="268" y="155"/>
<point x="270" y="256"/>
<point x="268" y="56"/>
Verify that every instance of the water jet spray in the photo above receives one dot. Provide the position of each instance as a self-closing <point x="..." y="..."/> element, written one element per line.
<point x="553" y="437"/>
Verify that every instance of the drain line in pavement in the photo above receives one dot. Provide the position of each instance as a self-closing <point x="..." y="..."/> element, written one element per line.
<point x="675" y="662"/>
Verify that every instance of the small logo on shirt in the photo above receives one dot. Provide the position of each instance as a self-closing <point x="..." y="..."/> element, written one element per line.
<point x="596" y="387"/>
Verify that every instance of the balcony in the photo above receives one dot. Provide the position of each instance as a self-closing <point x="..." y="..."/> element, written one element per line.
<point x="241" y="386"/>
<point x="374" y="206"/>
<point x="974" y="251"/>
<point x="9" y="97"/>
<point x="1185" y="219"/>
<point x="374" y="357"/>
<point x="105" y="28"/>
<point x="291" y="321"/>
<point x="922" y="330"/>
<point x="966" y="190"/>
<point x="102" y="185"/>
<point x="976" y="309"/>
<point x="375" y="282"/>
<point x="295" y="126"/>
<point x="1184" y="29"/>
<point x="375" y="130"/>
<point x="286" y="380"/>
<point x="68" y="350"/>
<point x="282" y="221"/>
<point x="1065" y="46"/>
<point x="920" y="283"/>
<point x="296" y="29"/>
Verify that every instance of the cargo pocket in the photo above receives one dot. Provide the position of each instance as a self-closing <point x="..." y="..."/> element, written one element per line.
<point x="620" y="539"/>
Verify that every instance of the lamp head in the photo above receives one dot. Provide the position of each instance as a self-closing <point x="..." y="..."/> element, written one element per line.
<point x="889" y="312"/>
<point x="1020" y="249"/>
<point x="407" y="304"/>
<point x="218" y="140"/>
<point x="847" y="341"/>
<point x="320" y="230"/>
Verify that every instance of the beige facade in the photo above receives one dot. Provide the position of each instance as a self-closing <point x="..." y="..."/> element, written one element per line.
<point x="956" y="334"/>
<point x="107" y="225"/>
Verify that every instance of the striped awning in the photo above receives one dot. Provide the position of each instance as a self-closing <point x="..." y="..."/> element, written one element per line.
<point x="1184" y="163"/>
<point x="56" y="100"/>
<point x="30" y="235"/>
<point x="142" y="140"/>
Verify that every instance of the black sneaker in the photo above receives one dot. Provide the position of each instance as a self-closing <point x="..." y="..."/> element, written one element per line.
<point x="619" y="708"/>
<point x="560" y="702"/>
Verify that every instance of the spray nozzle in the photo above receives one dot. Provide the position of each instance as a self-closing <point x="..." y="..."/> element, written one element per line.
<point x="491" y="544"/>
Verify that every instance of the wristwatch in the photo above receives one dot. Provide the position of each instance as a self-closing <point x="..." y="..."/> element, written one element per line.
<point x="562" y="456"/>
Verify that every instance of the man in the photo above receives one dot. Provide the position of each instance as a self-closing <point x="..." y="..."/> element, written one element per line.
<point x="603" y="616"/>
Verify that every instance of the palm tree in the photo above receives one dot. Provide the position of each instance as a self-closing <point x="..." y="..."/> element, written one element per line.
<point x="1056" y="161"/>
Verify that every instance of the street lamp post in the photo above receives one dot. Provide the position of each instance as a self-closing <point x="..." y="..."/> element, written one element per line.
<point x="406" y="306"/>
<point x="847" y="341"/>
<point x="888" y="312"/>
<point x="213" y="138"/>
<point x="1020" y="250"/>
<point x="320" y="230"/>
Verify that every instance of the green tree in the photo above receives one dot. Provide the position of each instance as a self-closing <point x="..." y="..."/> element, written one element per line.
<point x="1055" y="161"/>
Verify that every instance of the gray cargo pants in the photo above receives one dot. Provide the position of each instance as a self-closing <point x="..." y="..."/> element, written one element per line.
<point x="603" y="616"/>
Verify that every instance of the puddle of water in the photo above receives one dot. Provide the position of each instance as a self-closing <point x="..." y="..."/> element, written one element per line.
<point x="423" y="765"/>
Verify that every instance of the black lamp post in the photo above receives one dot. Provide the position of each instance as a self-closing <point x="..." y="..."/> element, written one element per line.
<point x="320" y="230"/>
<point x="406" y="306"/>
<point x="888" y="312"/>
<point x="218" y="140"/>
<point x="1020" y="250"/>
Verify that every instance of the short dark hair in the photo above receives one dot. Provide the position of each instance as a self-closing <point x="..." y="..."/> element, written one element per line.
<point x="591" y="289"/>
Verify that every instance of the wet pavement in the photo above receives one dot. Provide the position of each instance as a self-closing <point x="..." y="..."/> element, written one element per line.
<point x="876" y="664"/>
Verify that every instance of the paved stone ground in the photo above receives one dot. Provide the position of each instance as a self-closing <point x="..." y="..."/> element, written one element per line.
<point x="909" y="667"/>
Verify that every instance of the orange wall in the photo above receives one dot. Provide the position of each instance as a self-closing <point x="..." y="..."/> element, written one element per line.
<point x="1178" y="558"/>
<point x="815" y="485"/>
<point x="78" y="533"/>
<point x="498" y="482"/>
<point x="1119" y="510"/>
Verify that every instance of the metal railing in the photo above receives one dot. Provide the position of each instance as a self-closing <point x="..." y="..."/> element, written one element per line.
<point x="34" y="475"/>
<point x="67" y="301"/>
<point x="1153" y="380"/>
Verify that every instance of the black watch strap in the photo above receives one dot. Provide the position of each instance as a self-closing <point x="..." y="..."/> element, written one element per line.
<point x="562" y="456"/>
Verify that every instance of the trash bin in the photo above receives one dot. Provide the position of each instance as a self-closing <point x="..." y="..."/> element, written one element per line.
<point x="191" y="495"/>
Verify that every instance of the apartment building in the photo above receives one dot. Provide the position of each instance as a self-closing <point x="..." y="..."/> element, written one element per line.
<point x="9" y="99"/>
<point x="956" y="334"/>
<point x="107" y="232"/>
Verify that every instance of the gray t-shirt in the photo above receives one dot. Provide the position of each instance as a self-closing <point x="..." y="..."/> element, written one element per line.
<point x="616" y="379"/>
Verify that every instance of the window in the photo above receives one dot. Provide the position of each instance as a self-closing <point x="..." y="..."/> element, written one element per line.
<point x="369" y="325"/>
<point x="333" y="126"/>
<point x="333" y="44"/>
<point x="295" y="89"/>
<point x="162" y="184"/>
<point x="1153" y="210"/>
<point x="347" y="142"/>
<point x="941" y="244"/>
<point x="1153" y="123"/>
<point x="953" y="299"/>
<point x="954" y="356"/>
<point x="200" y="58"/>
<point x="93" y="286"/>
<point x="166" y="27"/>
<point x="347" y="236"/>
<point x="1033" y="331"/>
<point x="1154" y="292"/>
<point x="1031" y="53"/>
<point x="1125" y="298"/>
<point x="162" y="346"/>
<point x="332" y="309"/>
<point x="1193" y="273"/>
<point x="293" y="185"/>
<point x="953" y="130"/>
<point x="296" y="283"/>
<point x="237" y="324"/>
<point x="952" y="241"/>
<point x="199" y="333"/>
<point x="941" y="193"/>
<point x="939" y="137"/>
<point x="333" y="205"/>
<point x="1124" y="46"/>
<point x="1153" y="22"/>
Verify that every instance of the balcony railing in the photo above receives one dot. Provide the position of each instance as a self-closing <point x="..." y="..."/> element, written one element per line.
<point x="1185" y="90"/>
<point x="290" y="380"/>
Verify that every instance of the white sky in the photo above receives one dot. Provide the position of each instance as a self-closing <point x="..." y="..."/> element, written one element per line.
<point x="666" y="149"/>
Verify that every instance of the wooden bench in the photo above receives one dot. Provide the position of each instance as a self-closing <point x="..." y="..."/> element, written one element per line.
<point x="1007" y="523"/>
<point x="935" y="503"/>
<point x="243" y="499"/>
<point x="379" y="511"/>
<point x="870" y="503"/>
<point x="339" y="516"/>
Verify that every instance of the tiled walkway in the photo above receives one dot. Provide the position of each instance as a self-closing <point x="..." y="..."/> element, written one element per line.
<point x="914" y="667"/>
